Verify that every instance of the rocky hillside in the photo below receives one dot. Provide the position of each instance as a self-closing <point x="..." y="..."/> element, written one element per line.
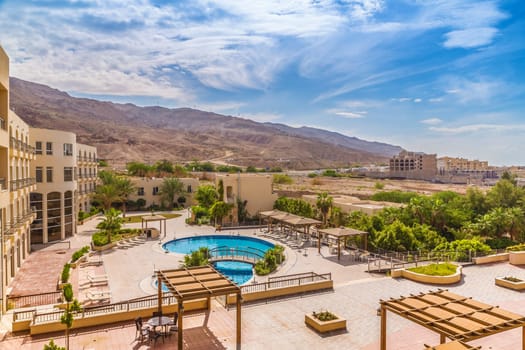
<point x="125" y="132"/>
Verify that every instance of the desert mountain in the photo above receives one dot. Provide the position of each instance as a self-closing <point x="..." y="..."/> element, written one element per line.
<point x="125" y="132"/>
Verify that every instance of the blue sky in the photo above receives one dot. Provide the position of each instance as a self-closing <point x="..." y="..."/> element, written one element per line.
<point x="443" y="76"/>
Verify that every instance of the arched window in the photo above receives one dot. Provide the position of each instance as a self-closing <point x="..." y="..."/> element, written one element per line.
<point x="68" y="213"/>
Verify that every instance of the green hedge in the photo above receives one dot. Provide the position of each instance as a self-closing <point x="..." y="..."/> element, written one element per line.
<point x="100" y="238"/>
<point x="516" y="248"/>
<point x="64" y="277"/>
<point x="76" y="255"/>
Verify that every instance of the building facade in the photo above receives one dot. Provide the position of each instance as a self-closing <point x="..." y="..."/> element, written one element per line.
<point x="87" y="168"/>
<point x="253" y="190"/>
<point x="148" y="191"/>
<point x="447" y="165"/>
<point x="16" y="184"/>
<point x="413" y="165"/>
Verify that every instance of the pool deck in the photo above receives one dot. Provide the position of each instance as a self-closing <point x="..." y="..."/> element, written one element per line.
<point x="280" y="324"/>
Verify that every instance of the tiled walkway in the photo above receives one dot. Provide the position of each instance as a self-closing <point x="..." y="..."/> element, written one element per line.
<point x="280" y="324"/>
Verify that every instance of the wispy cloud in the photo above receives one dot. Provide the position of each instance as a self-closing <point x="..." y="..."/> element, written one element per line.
<point x="347" y="114"/>
<point x="471" y="37"/>
<point x="472" y="128"/>
<point x="431" y="121"/>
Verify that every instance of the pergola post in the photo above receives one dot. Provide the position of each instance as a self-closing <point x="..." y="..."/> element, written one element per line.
<point x="239" y="326"/>
<point x="339" y="248"/>
<point x="523" y="338"/>
<point x="366" y="241"/>
<point x="318" y="242"/>
<point x="383" y="327"/>
<point x="179" y="322"/>
<point x="442" y="338"/>
<point x="159" y="294"/>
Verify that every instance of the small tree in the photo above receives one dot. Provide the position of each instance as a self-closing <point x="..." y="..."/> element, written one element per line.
<point x="53" y="346"/>
<point x="111" y="223"/>
<point x="219" y="210"/>
<point x="324" y="204"/>
<point x="72" y="307"/>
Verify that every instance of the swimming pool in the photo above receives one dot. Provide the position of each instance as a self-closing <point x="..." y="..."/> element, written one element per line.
<point x="189" y="244"/>
<point x="238" y="272"/>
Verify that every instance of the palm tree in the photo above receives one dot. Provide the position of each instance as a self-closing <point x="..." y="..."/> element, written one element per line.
<point x="106" y="195"/>
<point x="124" y="188"/>
<point x="111" y="223"/>
<point x="324" y="204"/>
<point x="170" y="188"/>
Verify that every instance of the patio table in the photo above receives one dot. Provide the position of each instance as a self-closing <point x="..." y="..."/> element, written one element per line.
<point x="160" y="321"/>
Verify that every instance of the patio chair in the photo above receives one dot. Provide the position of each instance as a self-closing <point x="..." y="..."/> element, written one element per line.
<point x="153" y="335"/>
<point x="173" y="324"/>
<point x="142" y="331"/>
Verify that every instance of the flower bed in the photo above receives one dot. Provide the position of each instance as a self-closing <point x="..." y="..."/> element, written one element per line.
<point x="324" y="321"/>
<point x="510" y="282"/>
<point x="428" y="278"/>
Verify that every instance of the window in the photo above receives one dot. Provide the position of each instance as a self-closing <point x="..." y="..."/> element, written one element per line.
<point x="38" y="147"/>
<point x="189" y="189"/>
<point x="49" y="148"/>
<point x="140" y="191"/>
<point x="68" y="174"/>
<point x="49" y="174"/>
<point x="155" y="190"/>
<point x="39" y="174"/>
<point x="68" y="149"/>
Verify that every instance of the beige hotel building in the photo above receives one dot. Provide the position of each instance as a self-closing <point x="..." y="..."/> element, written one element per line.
<point x="40" y="189"/>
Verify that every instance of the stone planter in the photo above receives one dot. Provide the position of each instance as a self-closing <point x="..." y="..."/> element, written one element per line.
<point x="103" y="247"/>
<point x="517" y="257"/>
<point x="502" y="282"/>
<point x="418" y="277"/>
<point x="325" y="326"/>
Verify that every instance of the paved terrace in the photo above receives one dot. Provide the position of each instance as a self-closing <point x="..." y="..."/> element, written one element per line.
<point x="280" y="324"/>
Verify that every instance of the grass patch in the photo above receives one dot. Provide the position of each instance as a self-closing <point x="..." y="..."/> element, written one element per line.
<point x="138" y="218"/>
<point x="445" y="269"/>
<point x="101" y="238"/>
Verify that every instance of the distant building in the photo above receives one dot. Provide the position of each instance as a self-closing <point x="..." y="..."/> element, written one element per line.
<point x="447" y="165"/>
<point x="148" y="190"/>
<point x="253" y="189"/>
<point x="413" y="165"/>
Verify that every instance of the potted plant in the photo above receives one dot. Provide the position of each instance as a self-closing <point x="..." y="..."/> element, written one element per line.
<point x="510" y="282"/>
<point x="324" y="321"/>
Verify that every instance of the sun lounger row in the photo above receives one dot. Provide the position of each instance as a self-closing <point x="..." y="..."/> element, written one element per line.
<point x="98" y="296"/>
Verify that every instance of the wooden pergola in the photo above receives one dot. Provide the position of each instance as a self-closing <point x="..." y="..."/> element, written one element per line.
<point x="154" y="218"/>
<point x="197" y="283"/>
<point x="452" y="316"/>
<point x="453" y="345"/>
<point x="289" y="219"/>
<point x="340" y="233"/>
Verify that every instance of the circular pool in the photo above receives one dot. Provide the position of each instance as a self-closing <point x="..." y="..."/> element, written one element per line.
<point x="238" y="272"/>
<point x="190" y="244"/>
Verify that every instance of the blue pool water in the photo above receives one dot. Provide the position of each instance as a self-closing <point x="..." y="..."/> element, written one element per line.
<point x="189" y="244"/>
<point x="238" y="272"/>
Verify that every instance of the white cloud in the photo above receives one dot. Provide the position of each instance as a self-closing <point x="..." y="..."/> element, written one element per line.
<point x="469" y="38"/>
<point x="483" y="89"/>
<point x="473" y="128"/>
<point x="417" y="100"/>
<point x="431" y="121"/>
<point x="435" y="99"/>
<point x="347" y="114"/>
<point x="402" y="99"/>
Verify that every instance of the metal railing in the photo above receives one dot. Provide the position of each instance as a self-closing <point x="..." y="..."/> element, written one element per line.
<point x="248" y="254"/>
<point x="3" y="124"/>
<point x="20" y="145"/>
<point x="20" y="301"/>
<point x="21" y="183"/>
<point x="133" y="304"/>
<point x="286" y="281"/>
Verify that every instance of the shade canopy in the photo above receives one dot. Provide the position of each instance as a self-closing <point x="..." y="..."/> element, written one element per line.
<point x="339" y="232"/>
<point x="197" y="283"/>
<point x="453" y="345"/>
<point x="452" y="316"/>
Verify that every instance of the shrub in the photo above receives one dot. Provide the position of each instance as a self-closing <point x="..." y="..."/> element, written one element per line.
<point x="516" y="248"/>
<point x="500" y="243"/>
<point x="460" y="249"/>
<point x="282" y="179"/>
<point x="393" y="196"/>
<point x="324" y="316"/>
<point x="330" y="173"/>
<point x="379" y="186"/>
<point x="445" y="269"/>
<point x="197" y="257"/>
<point x="312" y="175"/>
<point x="53" y="346"/>
<point x="272" y="258"/>
<point x="76" y="255"/>
<point x="100" y="238"/>
<point x="64" y="277"/>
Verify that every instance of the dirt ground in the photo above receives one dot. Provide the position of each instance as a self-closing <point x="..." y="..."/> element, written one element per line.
<point x="360" y="187"/>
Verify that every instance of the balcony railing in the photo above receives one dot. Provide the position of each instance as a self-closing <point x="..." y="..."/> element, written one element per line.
<point x="21" y="183"/>
<point x="19" y="145"/>
<point x="3" y="124"/>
